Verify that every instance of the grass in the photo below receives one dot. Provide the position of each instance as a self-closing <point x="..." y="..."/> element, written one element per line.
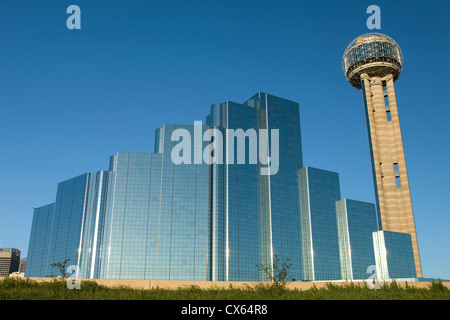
<point x="21" y="289"/>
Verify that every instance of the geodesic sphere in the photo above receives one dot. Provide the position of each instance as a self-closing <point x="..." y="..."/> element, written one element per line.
<point x="373" y="53"/>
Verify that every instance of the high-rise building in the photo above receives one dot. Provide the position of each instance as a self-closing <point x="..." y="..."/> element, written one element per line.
<point x="22" y="265"/>
<point x="9" y="261"/>
<point x="356" y="222"/>
<point x="41" y="229"/>
<point x="64" y="229"/>
<point x="157" y="216"/>
<point x="259" y="213"/>
<point x="394" y="255"/>
<point x="202" y="207"/>
<point x="319" y="190"/>
<point x="371" y="63"/>
<point x="145" y="218"/>
<point x="149" y="218"/>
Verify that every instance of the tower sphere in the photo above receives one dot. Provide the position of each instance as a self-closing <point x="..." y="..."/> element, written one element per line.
<point x="373" y="53"/>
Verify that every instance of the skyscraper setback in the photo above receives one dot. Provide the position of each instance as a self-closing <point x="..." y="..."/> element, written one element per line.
<point x="149" y="218"/>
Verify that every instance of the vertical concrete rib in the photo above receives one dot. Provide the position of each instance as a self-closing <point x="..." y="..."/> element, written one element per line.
<point x="395" y="206"/>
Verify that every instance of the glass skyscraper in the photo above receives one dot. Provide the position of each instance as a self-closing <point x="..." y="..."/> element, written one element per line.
<point x="257" y="214"/>
<point x="319" y="191"/>
<point x="65" y="230"/>
<point x="152" y="216"/>
<point x="394" y="255"/>
<point x="356" y="223"/>
<point x="157" y="216"/>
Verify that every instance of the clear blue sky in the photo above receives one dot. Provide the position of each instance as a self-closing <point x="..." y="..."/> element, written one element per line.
<point x="69" y="99"/>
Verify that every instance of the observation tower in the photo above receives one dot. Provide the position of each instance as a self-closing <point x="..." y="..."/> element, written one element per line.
<point x="371" y="63"/>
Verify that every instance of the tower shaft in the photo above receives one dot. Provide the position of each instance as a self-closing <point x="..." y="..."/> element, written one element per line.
<point x="393" y="198"/>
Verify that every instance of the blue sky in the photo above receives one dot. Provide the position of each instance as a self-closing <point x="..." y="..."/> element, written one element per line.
<point x="69" y="99"/>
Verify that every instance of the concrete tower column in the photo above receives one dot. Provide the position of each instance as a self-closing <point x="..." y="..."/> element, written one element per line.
<point x="389" y="165"/>
<point x="372" y="62"/>
<point x="405" y="216"/>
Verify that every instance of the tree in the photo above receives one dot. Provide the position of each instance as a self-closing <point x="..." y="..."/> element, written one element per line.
<point x="278" y="272"/>
<point x="61" y="267"/>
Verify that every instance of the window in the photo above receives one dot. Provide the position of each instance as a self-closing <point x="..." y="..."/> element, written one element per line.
<point x="396" y="169"/>
<point x="397" y="180"/>
<point x="386" y="103"/>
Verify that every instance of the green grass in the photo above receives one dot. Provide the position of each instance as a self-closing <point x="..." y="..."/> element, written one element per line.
<point x="20" y="289"/>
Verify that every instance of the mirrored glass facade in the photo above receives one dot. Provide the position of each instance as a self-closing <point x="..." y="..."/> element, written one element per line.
<point x="151" y="216"/>
<point x="356" y="222"/>
<point x="67" y="228"/>
<point x="158" y="216"/>
<point x="319" y="190"/>
<point x="394" y="255"/>
<point x="255" y="217"/>
<point x="39" y="241"/>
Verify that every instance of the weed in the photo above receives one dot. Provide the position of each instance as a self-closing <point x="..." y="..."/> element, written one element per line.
<point x="26" y="289"/>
